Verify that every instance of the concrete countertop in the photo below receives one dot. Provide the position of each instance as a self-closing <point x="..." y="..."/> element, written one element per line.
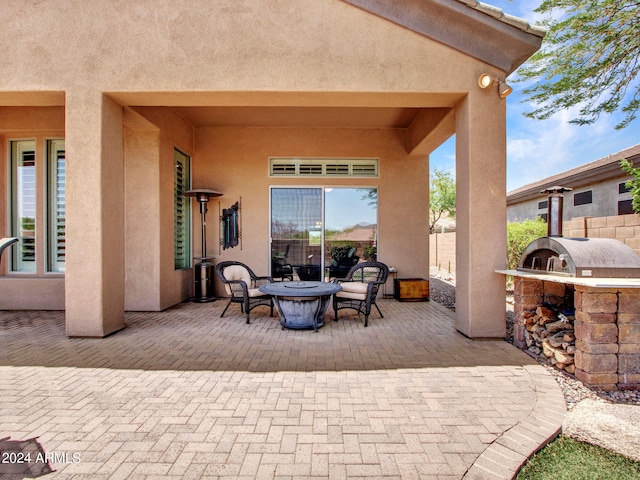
<point x="583" y="281"/>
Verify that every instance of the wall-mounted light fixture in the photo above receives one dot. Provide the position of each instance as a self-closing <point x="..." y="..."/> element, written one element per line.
<point x="485" y="81"/>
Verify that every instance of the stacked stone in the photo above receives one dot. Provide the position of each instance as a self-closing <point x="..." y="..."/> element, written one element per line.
<point x="608" y="337"/>
<point x="597" y="336"/>
<point x="629" y="339"/>
<point x="606" y="328"/>
<point x="527" y="297"/>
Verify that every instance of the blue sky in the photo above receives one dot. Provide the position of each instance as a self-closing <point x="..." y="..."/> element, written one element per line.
<point x="539" y="148"/>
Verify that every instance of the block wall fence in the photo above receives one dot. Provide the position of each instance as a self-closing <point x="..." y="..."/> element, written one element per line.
<point x="626" y="228"/>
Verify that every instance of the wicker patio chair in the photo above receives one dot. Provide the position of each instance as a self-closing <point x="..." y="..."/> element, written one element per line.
<point x="241" y="285"/>
<point x="360" y="289"/>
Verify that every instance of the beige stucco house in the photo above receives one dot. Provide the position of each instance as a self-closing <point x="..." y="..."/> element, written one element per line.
<point x="109" y="109"/>
<point x="598" y="189"/>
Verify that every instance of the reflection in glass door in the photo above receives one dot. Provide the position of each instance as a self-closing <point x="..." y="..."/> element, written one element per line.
<point x="302" y="249"/>
<point x="296" y="233"/>
<point x="351" y="228"/>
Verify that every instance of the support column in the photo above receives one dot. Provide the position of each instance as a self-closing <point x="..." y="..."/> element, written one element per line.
<point x="481" y="232"/>
<point x="94" y="277"/>
<point x="596" y="330"/>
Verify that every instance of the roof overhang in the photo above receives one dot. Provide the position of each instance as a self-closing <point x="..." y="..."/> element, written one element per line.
<point x="474" y="28"/>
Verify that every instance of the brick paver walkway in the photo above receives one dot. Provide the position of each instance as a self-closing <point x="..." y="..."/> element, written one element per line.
<point x="185" y="394"/>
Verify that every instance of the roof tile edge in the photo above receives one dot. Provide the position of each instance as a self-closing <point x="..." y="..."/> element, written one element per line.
<point x="512" y="20"/>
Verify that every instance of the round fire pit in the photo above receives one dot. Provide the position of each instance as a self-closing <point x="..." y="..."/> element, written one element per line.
<point x="301" y="304"/>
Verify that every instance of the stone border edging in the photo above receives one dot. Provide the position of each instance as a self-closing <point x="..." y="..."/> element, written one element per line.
<point x="509" y="452"/>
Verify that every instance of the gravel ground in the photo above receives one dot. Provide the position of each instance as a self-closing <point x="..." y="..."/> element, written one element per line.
<point x="442" y="290"/>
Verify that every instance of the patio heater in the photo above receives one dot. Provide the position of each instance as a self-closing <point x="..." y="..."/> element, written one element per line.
<point x="203" y="270"/>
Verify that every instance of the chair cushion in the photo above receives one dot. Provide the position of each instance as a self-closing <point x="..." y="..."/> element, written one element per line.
<point x="254" y="292"/>
<point x="352" y="296"/>
<point x="236" y="272"/>
<point x="354" y="287"/>
<point x="353" y="290"/>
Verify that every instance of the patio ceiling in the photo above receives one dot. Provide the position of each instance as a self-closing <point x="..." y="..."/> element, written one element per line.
<point x="427" y="117"/>
<point x="309" y="117"/>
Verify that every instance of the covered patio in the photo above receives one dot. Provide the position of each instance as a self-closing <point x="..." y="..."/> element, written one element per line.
<point x="152" y="91"/>
<point x="183" y="393"/>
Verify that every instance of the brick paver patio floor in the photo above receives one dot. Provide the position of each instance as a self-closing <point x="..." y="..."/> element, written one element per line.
<point x="185" y="394"/>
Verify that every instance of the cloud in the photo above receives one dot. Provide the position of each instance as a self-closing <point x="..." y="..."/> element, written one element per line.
<point x="540" y="148"/>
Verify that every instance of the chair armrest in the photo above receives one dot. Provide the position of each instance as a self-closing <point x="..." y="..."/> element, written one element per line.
<point x="242" y="283"/>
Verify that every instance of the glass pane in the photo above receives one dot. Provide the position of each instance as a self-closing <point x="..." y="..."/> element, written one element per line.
<point x="57" y="205"/>
<point x="296" y="233"/>
<point x="351" y="232"/>
<point x="23" y="178"/>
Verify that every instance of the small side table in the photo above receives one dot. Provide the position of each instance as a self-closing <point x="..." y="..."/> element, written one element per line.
<point x="393" y="275"/>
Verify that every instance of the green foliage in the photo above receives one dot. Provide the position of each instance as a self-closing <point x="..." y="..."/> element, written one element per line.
<point x="371" y="195"/>
<point x="521" y="234"/>
<point x="589" y="58"/>
<point x="442" y="197"/>
<point x="633" y="184"/>
<point x="568" y="459"/>
<point x="28" y="223"/>
<point x="370" y="252"/>
<point x="340" y="250"/>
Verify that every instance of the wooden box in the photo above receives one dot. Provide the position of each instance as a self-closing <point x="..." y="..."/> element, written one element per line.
<point x="411" y="289"/>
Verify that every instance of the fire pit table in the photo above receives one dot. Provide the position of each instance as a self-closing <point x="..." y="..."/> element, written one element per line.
<point x="301" y="304"/>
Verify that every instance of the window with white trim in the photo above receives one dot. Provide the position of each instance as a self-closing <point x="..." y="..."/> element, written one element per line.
<point x="27" y="161"/>
<point x="23" y="205"/>
<point x="323" y="167"/>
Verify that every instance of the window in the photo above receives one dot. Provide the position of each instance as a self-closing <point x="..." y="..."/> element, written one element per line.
<point x="323" y="167"/>
<point x="182" y="211"/>
<point x="622" y="188"/>
<point x="543" y="205"/>
<point x="26" y="165"/>
<point x="23" y="204"/>
<point x="625" y="207"/>
<point x="56" y="205"/>
<point x="313" y="234"/>
<point x="583" y="198"/>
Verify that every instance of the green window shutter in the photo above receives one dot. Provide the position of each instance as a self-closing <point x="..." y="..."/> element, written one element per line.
<point x="56" y="205"/>
<point x="182" y="211"/>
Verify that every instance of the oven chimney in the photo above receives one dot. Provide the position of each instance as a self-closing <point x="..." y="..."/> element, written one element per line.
<point x="554" y="210"/>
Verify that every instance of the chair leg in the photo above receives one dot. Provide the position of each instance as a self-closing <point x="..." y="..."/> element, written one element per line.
<point x="366" y="320"/>
<point x="247" y="310"/>
<point x="378" y="308"/>
<point x="225" y="309"/>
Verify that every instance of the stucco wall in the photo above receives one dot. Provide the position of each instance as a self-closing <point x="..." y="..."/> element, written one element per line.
<point x="605" y="202"/>
<point x="224" y="46"/>
<point x="235" y="161"/>
<point x="152" y="282"/>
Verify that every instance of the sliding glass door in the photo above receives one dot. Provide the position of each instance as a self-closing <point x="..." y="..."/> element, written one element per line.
<point x="317" y="233"/>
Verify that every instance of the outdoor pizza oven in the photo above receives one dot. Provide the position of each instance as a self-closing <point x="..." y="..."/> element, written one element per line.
<point x="576" y="257"/>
